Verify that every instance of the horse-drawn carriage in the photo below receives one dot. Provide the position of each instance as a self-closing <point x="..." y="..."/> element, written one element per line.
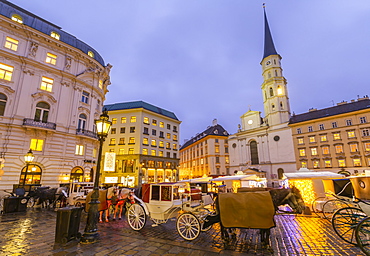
<point x="77" y="192"/>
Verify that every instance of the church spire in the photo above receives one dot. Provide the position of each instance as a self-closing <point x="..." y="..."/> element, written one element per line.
<point x="269" y="44"/>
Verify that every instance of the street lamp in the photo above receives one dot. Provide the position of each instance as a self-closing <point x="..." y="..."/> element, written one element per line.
<point x="90" y="236"/>
<point x="28" y="158"/>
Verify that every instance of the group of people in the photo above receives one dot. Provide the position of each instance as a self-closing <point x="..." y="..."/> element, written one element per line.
<point x="117" y="199"/>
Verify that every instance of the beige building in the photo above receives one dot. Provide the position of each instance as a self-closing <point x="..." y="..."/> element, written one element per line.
<point x="142" y="146"/>
<point x="335" y="138"/>
<point x="206" y="154"/>
<point x="52" y="87"/>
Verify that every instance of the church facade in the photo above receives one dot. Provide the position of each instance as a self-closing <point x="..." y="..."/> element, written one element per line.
<point x="265" y="143"/>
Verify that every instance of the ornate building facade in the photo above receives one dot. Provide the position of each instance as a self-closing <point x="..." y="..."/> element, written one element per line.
<point x="52" y="87"/>
<point x="266" y="142"/>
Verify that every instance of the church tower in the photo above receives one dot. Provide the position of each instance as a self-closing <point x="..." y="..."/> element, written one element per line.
<point x="274" y="86"/>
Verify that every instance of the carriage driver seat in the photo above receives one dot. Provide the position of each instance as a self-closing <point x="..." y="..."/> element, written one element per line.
<point x="20" y="192"/>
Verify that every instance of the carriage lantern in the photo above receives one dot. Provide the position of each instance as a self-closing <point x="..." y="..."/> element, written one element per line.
<point x="28" y="158"/>
<point x="90" y="235"/>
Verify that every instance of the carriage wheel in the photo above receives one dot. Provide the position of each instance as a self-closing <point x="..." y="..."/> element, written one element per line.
<point x="363" y="235"/>
<point x="136" y="217"/>
<point x="188" y="226"/>
<point x="344" y="222"/>
<point x="331" y="206"/>
<point x="31" y="202"/>
<point x="316" y="208"/>
<point x="202" y="215"/>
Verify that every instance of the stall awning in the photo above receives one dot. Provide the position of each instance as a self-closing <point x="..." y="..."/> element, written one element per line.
<point x="310" y="175"/>
<point x="196" y="180"/>
<point x="237" y="177"/>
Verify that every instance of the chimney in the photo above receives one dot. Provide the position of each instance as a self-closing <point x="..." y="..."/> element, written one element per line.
<point x="214" y="122"/>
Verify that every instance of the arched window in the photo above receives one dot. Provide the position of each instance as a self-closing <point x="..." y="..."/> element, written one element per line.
<point x="82" y="122"/>
<point x="281" y="105"/>
<point x="254" y="152"/>
<point x="273" y="107"/>
<point x="3" y="100"/>
<point x="17" y="18"/>
<point x="271" y="92"/>
<point x="33" y="174"/>
<point x="77" y="174"/>
<point x="279" y="90"/>
<point x="42" y="112"/>
<point x="280" y="173"/>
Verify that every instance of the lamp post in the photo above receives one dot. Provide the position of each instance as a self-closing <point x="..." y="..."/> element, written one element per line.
<point x="90" y="234"/>
<point x="28" y="158"/>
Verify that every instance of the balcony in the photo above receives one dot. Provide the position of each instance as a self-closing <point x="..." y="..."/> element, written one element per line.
<point x="32" y="122"/>
<point x="86" y="133"/>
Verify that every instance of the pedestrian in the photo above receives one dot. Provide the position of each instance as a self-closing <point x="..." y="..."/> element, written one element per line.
<point x="123" y="195"/>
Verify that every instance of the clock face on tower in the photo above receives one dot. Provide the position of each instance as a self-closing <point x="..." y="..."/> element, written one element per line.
<point x="250" y="121"/>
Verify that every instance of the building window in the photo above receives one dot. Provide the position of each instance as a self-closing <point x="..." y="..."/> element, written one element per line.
<point x="132" y="129"/>
<point x="161" y="144"/>
<point x="154" y="143"/>
<point x="42" y="112"/>
<point x="122" y="141"/>
<point x="133" y="119"/>
<point x="349" y="122"/>
<point x="168" y="136"/>
<point x="46" y="84"/>
<point x="353" y="147"/>
<point x="11" y="43"/>
<point x="300" y="141"/>
<point x="145" y="151"/>
<point x="217" y="148"/>
<point x="174" y="146"/>
<point x="36" y="145"/>
<point x="168" y="126"/>
<point x="334" y="125"/>
<point x="112" y="142"/>
<point x="81" y="122"/>
<point x="123" y="120"/>
<point x="161" y="134"/>
<point x="160" y="153"/>
<point x="312" y="139"/>
<point x="325" y="150"/>
<point x="271" y="92"/>
<point x="321" y="127"/>
<point x="91" y="54"/>
<point x="310" y="129"/>
<point x="357" y="162"/>
<point x="168" y="145"/>
<point x="130" y="151"/>
<point x="175" y="137"/>
<point x="132" y="140"/>
<point x="365" y="132"/>
<point x="314" y="151"/>
<point x="303" y="164"/>
<point x="100" y="84"/>
<point x="153" y="152"/>
<point x="254" y="152"/>
<point x="302" y="152"/>
<point x="51" y="58"/>
<point x="154" y="122"/>
<point x="338" y="149"/>
<point x="227" y="160"/>
<point x="161" y="124"/>
<point x="122" y="130"/>
<point x="121" y="151"/>
<point x="85" y="97"/>
<point x="217" y="159"/>
<point x="146" y="120"/>
<point x="279" y="90"/>
<point x="323" y="138"/>
<point x="351" y="134"/>
<point x="113" y="131"/>
<point x="175" y="129"/>
<point x="154" y="132"/>
<point x="55" y="35"/>
<point x="3" y="100"/>
<point x="17" y="18"/>
<point x="315" y="164"/>
<point x="114" y="120"/>
<point x="299" y="130"/>
<point x="146" y="131"/>
<point x="363" y="120"/>
<point x="146" y="141"/>
<point x="336" y="136"/>
<point x="367" y="146"/>
<point x="327" y="163"/>
<point x="341" y="162"/>
<point x="6" y="72"/>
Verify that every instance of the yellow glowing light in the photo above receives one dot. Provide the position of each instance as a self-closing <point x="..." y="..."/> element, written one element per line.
<point x="306" y="188"/>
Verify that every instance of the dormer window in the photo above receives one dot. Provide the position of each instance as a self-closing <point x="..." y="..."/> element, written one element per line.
<point x="17" y="18"/>
<point x="91" y="54"/>
<point x="55" y="35"/>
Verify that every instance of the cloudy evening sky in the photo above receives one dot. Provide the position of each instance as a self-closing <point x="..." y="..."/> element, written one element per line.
<point x="200" y="58"/>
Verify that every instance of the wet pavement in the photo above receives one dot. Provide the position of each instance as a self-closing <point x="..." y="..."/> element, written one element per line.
<point x="33" y="233"/>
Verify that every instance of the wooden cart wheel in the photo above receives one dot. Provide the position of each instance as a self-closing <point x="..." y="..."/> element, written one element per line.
<point x="201" y="215"/>
<point x="188" y="226"/>
<point x="136" y="217"/>
<point x="331" y="206"/>
<point x="316" y="208"/>
<point x="345" y="221"/>
<point x="31" y="202"/>
<point x="363" y="235"/>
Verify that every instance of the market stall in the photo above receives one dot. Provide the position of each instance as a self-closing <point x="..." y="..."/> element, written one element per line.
<point x="232" y="183"/>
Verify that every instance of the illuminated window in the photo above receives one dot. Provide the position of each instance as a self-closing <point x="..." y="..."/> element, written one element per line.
<point x="161" y="144"/>
<point x="114" y="120"/>
<point x="160" y="153"/>
<point x="168" y="135"/>
<point x="17" y="18"/>
<point x="314" y="151"/>
<point x="91" y="54"/>
<point x="55" y="35"/>
<point x="112" y="142"/>
<point x="146" y="120"/>
<point x="161" y="124"/>
<point x="100" y="84"/>
<point x="342" y="163"/>
<point x="121" y="141"/>
<point x="174" y="146"/>
<point x="154" y="122"/>
<point x="325" y="150"/>
<point x="145" y="141"/>
<point x="121" y="151"/>
<point x="153" y="152"/>
<point x="132" y="140"/>
<point x="3" y="100"/>
<point x="336" y="136"/>
<point x="36" y="145"/>
<point x="312" y="139"/>
<point x="145" y="151"/>
<point x="154" y="143"/>
<point x="175" y="137"/>
<point x="11" y="43"/>
<point x="356" y="162"/>
<point x="79" y="150"/>
<point x="51" y="58"/>
<point x="367" y="146"/>
<point x="327" y="163"/>
<point x="227" y="161"/>
<point x="302" y="152"/>
<point x="300" y="141"/>
<point x="85" y="97"/>
<point x="46" y="84"/>
<point x="363" y="120"/>
<point x="279" y="90"/>
<point x="113" y="131"/>
<point x="323" y="138"/>
<point x="351" y="134"/>
<point x="6" y="72"/>
<point x="315" y="164"/>
<point x="130" y="151"/>
<point x="133" y="119"/>
<point x="168" y="145"/>
<point x="304" y="164"/>
<point x="338" y="149"/>
<point x="217" y="148"/>
<point x="123" y="120"/>
<point x="353" y="147"/>
<point x="349" y="122"/>
<point x="365" y="132"/>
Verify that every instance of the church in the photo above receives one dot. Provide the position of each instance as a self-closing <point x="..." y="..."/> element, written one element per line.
<point x="265" y="143"/>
